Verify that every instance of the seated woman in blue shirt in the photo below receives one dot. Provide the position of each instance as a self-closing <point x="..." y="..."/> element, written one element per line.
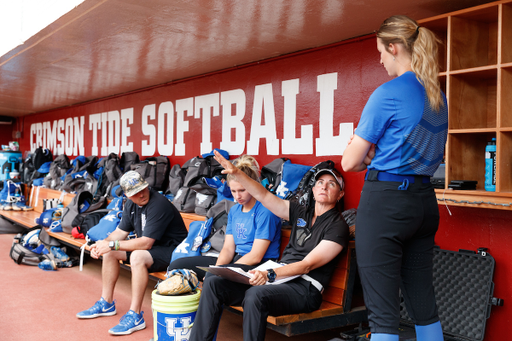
<point x="253" y="233"/>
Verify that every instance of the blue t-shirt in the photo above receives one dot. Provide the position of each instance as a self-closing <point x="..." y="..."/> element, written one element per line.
<point x="258" y="223"/>
<point x="409" y="136"/>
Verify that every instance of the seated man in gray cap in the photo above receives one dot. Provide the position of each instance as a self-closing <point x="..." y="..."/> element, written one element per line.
<point x="159" y="229"/>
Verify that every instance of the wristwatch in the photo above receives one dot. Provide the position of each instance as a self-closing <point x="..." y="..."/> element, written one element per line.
<point x="112" y="244"/>
<point x="271" y="275"/>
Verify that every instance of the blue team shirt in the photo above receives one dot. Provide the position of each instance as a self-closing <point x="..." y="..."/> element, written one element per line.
<point x="258" y="223"/>
<point x="409" y="136"/>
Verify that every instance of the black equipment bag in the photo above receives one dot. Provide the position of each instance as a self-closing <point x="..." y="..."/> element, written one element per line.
<point x="273" y="173"/>
<point x="128" y="159"/>
<point x="110" y="174"/>
<point x="304" y="192"/>
<point x="185" y="200"/>
<point x="176" y="179"/>
<point x="198" y="168"/>
<point x="73" y="209"/>
<point x="155" y="170"/>
<point x="219" y="212"/>
<point x="464" y="294"/>
<point x="86" y="221"/>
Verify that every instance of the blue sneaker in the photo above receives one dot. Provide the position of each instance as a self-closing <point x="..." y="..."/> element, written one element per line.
<point x="129" y="323"/>
<point x="100" y="308"/>
<point x="59" y="254"/>
<point x="47" y="265"/>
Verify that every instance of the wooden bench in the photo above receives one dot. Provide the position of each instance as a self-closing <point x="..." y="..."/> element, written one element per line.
<point x="336" y="309"/>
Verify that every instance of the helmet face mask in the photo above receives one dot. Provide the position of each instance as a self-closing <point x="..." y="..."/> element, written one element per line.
<point x="132" y="183"/>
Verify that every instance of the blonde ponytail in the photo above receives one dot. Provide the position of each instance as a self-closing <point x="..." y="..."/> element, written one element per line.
<point x="422" y="44"/>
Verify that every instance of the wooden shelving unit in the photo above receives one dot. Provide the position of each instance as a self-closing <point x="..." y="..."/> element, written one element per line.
<point x="476" y="75"/>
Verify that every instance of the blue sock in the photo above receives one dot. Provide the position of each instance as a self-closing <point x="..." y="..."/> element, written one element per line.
<point x="384" y="337"/>
<point x="431" y="332"/>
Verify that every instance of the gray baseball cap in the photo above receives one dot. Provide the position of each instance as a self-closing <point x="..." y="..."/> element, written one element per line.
<point x="333" y="172"/>
<point x="132" y="183"/>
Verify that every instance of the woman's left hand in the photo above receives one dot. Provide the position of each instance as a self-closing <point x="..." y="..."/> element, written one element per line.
<point x="259" y="277"/>
<point x="229" y="168"/>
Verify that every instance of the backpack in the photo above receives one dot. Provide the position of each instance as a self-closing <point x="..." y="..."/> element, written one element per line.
<point x="219" y="215"/>
<point x="109" y="172"/>
<point x="41" y="156"/>
<point x="31" y="247"/>
<point x="185" y="200"/>
<point x="206" y="197"/>
<point x="80" y="181"/>
<point x="271" y="174"/>
<point x="155" y="170"/>
<point x="83" y="222"/>
<point x="28" y="170"/>
<point x="199" y="167"/>
<point x="191" y="246"/>
<point x="291" y="177"/>
<point x="176" y="179"/>
<point x="128" y="159"/>
<point x="303" y="195"/>
<point x="58" y="169"/>
<point x="82" y="202"/>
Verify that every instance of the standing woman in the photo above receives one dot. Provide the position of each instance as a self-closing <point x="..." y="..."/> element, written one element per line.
<point x="253" y="233"/>
<point x="400" y="140"/>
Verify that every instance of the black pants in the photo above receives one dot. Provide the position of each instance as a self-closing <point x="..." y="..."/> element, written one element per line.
<point x="258" y="302"/>
<point x="395" y="232"/>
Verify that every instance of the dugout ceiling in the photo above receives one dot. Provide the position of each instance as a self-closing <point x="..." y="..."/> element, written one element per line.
<point x="108" y="47"/>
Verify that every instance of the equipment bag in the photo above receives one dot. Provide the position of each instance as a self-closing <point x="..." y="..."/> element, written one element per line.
<point x="86" y="221"/>
<point x="292" y="175"/>
<point x="32" y="247"/>
<point x="199" y="167"/>
<point x="271" y="174"/>
<point x="176" y="179"/>
<point x="206" y="197"/>
<point x="304" y="192"/>
<point x="79" y="182"/>
<point x="105" y="226"/>
<point x="185" y="200"/>
<point x="82" y="202"/>
<point x="128" y="159"/>
<point x="191" y="246"/>
<point x="155" y="170"/>
<point x="219" y="215"/>
<point x="109" y="172"/>
<point x="58" y="169"/>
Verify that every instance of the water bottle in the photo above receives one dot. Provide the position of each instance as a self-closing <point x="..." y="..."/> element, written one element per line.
<point x="490" y="166"/>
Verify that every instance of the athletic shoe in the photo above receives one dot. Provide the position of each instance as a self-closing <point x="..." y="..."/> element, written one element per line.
<point x="129" y="323"/>
<point x="47" y="265"/>
<point x="59" y="254"/>
<point x="7" y="206"/>
<point x="20" y="206"/>
<point x="100" y="308"/>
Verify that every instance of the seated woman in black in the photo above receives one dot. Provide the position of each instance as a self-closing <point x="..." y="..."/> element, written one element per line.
<point x="318" y="236"/>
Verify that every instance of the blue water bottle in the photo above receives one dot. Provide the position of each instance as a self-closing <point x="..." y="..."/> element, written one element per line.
<point x="490" y="166"/>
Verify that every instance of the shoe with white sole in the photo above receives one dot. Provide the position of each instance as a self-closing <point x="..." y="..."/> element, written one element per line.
<point x="100" y="308"/>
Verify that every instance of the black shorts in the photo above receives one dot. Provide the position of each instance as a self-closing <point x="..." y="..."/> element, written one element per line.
<point x="161" y="257"/>
<point x="395" y="232"/>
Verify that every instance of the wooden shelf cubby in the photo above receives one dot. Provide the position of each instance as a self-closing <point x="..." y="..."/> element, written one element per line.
<point x="476" y="75"/>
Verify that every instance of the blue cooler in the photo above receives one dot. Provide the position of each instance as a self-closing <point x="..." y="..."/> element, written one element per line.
<point x="9" y="162"/>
